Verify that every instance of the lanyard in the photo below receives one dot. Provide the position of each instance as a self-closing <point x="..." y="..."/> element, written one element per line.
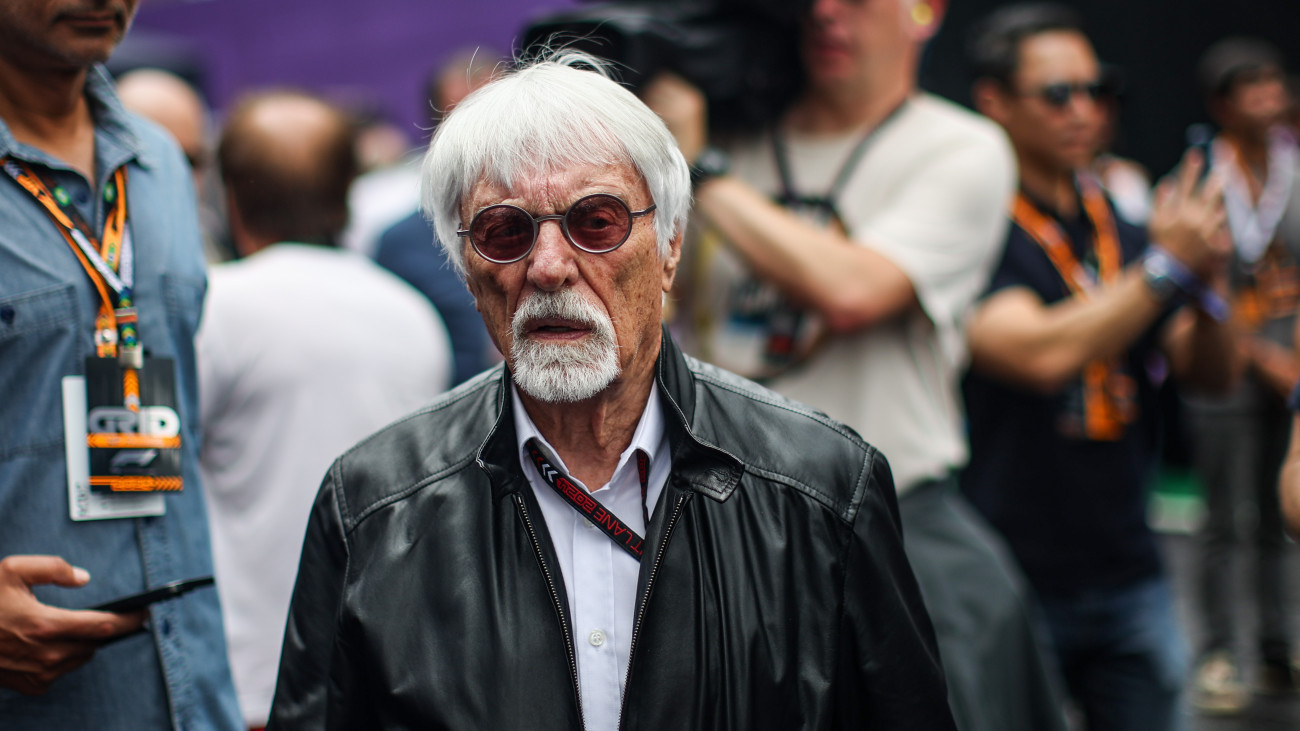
<point x="109" y="262"/>
<point x="1254" y="222"/>
<point x="790" y="198"/>
<point x="1108" y="394"/>
<point x="1049" y="236"/>
<point x="588" y="506"/>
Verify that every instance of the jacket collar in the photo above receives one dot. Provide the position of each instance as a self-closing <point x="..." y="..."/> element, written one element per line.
<point x="698" y="464"/>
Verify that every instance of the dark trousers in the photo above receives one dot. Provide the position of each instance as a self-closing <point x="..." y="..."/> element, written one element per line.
<point x="1238" y="457"/>
<point x="994" y="655"/>
<point x="1123" y="655"/>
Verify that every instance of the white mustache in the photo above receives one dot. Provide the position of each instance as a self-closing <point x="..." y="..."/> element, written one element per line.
<point x="564" y="304"/>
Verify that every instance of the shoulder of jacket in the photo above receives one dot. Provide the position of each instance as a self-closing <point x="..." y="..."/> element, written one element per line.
<point x="782" y="440"/>
<point x="418" y="450"/>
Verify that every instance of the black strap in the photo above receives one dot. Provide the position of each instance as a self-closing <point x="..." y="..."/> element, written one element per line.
<point x="588" y="506"/>
<point x="827" y="201"/>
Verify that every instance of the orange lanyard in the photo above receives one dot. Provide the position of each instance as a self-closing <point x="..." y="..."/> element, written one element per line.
<point x="108" y="262"/>
<point x="1109" y="395"/>
<point x="1052" y="239"/>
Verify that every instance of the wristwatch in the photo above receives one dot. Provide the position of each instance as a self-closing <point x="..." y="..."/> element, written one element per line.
<point x="709" y="164"/>
<point x="1157" y="272"/>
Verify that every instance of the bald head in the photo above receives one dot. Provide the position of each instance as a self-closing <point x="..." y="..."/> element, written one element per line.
<point x="166" y="99"/>
<point x="465" y="71"/>
<point x="287" y="160"/>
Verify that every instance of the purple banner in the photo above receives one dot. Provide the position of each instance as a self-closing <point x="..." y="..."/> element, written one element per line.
<point x="372" y="54"/>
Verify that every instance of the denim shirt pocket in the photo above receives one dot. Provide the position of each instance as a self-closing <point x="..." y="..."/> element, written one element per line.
<point x="39" y="335"/>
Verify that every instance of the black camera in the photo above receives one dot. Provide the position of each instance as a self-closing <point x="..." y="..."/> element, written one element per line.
<point x="744" y="55"/>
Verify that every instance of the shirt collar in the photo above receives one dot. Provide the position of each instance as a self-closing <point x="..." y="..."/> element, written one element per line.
<point x="116" y="141"/>
<point x="648" y="436"/>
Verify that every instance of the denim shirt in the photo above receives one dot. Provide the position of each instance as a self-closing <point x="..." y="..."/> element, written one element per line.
<point x="176" y="675"/>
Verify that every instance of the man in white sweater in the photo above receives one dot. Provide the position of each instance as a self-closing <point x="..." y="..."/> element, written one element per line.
<point x="305" y="349"/>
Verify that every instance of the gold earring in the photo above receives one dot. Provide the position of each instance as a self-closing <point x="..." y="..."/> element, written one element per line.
<point x="922" y="14"/>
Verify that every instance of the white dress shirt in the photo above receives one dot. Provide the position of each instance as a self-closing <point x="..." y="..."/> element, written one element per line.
<point x="600" y="577"/>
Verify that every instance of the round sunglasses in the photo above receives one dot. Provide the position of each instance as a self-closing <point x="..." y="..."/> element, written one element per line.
<point x="596" y="224"/>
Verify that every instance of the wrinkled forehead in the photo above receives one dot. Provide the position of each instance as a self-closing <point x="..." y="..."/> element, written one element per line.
<point x="555" y="184"/>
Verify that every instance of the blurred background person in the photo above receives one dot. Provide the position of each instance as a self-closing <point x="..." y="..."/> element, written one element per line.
<point x="1126" y="181"/>
<point x="170" y="101"/>
<point x="1060" y="396"/>
<point x="1240" y="439"/>
<point x="410" y="248"/>
<point x="304" y="349"/>
<point x="842" y="249"/>
<point x="1289" y="482"/>
<point x="389" y="191"/>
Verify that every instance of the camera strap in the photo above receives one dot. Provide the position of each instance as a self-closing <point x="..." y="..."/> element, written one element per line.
<point x="792" y="199"/>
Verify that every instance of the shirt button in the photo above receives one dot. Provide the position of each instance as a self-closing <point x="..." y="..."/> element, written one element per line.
<point x="596" y="638"/>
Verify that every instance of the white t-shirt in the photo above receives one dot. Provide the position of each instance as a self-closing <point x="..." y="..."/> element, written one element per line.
<point x="302" y="352"/>
<point x="931" y="194"/>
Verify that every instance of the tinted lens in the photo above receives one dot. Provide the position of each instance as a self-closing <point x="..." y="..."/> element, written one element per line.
<point x="598" y="223"/>
<point x="502" y="233"/>
<point x="1057" y="95"/>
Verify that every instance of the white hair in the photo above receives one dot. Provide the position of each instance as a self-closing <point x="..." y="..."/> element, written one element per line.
<point x="547" y="116"/>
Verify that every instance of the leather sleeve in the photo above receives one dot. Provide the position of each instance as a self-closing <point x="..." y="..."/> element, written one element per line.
<point x="889" y="674"/>
<point x="307" y="686"/>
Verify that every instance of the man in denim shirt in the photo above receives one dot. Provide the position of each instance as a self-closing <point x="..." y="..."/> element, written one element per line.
<point x="62" y="125"/>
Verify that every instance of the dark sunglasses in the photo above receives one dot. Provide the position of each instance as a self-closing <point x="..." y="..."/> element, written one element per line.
<point x="1058" y="95"/>
<point x="597" y="224"/>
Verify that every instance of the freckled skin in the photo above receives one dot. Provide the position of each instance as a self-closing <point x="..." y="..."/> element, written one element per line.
<point x="627" y="283"/>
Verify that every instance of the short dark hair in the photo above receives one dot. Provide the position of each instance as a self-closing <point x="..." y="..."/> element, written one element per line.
<point x="993" y="48"/>
<point x="289" y="193"/>
<point x="1225" y="62"/>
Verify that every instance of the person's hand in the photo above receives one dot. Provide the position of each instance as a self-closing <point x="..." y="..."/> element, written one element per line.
<point x="40" y="643"/>
<point x="683" y="109"/>
<point x="1188" y="219"/>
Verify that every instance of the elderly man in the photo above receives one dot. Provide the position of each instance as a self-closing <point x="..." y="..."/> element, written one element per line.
<point x="601" y="533"/>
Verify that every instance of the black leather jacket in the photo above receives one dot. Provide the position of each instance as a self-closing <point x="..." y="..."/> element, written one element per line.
<point x="774" y="593"/>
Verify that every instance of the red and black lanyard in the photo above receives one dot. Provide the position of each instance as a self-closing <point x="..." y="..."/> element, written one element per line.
<point x="108" y="261"/>
<point x="589" y="507"/>
<point x="1108" y="400"/>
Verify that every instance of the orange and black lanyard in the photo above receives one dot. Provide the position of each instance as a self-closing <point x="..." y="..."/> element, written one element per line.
<point x="109" y="262"/>
<point x="1108" y="399"/>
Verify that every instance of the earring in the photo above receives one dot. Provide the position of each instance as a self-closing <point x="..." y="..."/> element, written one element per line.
<point x="922" y="14"/>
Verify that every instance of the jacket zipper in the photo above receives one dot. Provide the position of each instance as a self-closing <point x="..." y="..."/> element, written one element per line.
<point x="649" y="586"/>
<point x="559" y="608"/>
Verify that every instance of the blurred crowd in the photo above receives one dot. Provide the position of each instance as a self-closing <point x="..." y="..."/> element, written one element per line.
<point x="1017" y="316"/>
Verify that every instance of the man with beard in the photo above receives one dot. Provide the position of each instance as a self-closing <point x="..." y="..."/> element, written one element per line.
<point x="101" y="285"/>
<point x="600" y="533"/>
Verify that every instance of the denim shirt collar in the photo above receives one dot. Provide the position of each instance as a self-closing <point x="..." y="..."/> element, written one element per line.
<point x="116" y="140"/>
